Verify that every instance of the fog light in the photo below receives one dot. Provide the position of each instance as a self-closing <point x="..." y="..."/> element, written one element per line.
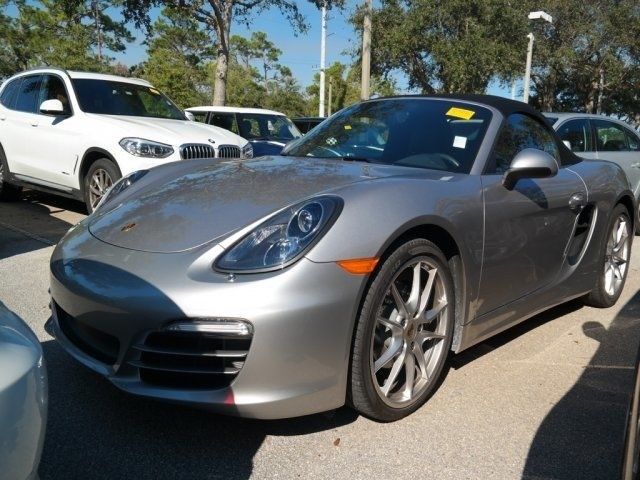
<point x="219" y="326"/>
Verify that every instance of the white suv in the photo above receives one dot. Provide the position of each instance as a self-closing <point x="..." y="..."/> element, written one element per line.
<point x="76" y="133"/>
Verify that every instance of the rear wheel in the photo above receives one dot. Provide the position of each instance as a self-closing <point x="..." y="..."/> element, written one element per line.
<point x="403" y="334"/>
<point x="102" y="174"/>
<point x="615" y="261"/>
<point x="8" y="192"/>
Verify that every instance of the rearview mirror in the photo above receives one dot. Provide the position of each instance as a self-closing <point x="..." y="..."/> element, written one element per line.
<point x="529" y="163"/>
<point x="52" y="107"/>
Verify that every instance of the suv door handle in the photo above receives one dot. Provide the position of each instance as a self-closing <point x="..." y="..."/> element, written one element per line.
<point x="577" y="202"/>
<point x="3" y="117"/>
<point x="34" y="123"/>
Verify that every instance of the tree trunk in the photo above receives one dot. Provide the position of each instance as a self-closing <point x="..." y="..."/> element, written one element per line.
<point x="223" y="28"/>
<point x="220" y="77"/>
<point x="600" y="91"/>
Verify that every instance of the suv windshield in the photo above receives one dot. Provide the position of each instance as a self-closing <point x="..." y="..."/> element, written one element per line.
<point x="122" y="98"/>
<point x="429" y="133"/>
<point x="262" y="126"/>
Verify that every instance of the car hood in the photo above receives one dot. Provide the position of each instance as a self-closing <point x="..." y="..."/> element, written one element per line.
<point x="183" y="205"/>
<point x="172" y="132"/>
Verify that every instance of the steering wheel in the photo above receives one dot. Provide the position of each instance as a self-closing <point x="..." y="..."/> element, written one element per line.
<point x="449" y="159"/>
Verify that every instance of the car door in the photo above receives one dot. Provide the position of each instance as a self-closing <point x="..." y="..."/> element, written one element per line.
<point x="18" y="135"/>
<point x="54" y="157"/>
<point x="612" y="140"/>
<point x="578" y="136"/>
<point x="527" y="228"/>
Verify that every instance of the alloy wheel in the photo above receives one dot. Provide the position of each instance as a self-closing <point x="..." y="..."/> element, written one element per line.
<point x="409" y="335"/>
<point x="616" y="257"/>
<point x="100" y="182"/>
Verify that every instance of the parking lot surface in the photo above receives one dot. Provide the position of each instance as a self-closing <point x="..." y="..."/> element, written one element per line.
<point x="545" y="400"/>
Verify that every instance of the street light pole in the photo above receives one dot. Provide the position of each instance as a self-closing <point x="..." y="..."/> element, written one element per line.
<point x="366" y="51"/>
<point x="527" y="73"/>
<point x="323" y="45"/>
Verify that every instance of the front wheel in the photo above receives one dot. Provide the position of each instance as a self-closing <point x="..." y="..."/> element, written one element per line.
<point x="403" y="334"/>
<point x="101" y="175"/>
<point x="614" y="260"/>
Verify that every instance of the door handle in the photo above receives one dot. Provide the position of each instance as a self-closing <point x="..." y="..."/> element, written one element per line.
<point x="34" y="123"/>
<point x="577" y="202"/>
<point x="3" y="117"/>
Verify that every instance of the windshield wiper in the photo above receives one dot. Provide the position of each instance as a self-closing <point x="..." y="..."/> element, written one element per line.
<point x="355" y="159"/>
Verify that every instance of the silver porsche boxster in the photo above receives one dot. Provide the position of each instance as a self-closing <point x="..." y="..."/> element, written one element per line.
<point x="345" y="270"/>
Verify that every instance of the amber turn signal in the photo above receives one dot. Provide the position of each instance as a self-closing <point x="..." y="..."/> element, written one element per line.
<point x="359" y="266"/>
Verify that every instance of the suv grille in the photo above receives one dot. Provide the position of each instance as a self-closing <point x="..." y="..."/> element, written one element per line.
<point x="196" y="150"/>
<point x="228" y="151"/>
<point x="95" y="343"/>
<point x="190" y="360"/>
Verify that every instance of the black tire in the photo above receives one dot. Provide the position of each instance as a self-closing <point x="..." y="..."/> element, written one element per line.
<point x="102" y="164"/>
<point x="366" y="397"/>
<point x="599" y="297"/>
<point x="8" y="192"/>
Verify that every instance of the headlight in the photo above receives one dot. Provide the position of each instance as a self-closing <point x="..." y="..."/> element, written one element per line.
<point x="120" y="186"/>
<point x="247" y="151"/>
<point x="283" y="238"/>
<point x="146" y="148"/>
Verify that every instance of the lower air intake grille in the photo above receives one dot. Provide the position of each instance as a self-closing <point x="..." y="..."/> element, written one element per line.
<point x="95" y="343"/>
<point x="190" y="360"/>
<point x="228" y="151"/>
<point x="196" y="150"/>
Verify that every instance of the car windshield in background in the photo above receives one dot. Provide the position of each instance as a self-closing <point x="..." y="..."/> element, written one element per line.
<point x="260" y="126"/>
<point x="122" y="98"/>
<point x="413" y="132"/>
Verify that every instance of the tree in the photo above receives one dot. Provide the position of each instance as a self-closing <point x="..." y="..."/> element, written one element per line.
<point x="56" y="33"/>
<point x="452" y="46"/>
<point x="178" y="53"/>
<point x="216" y="16"/>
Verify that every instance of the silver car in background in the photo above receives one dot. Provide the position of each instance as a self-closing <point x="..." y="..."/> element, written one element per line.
<point x="344" y="270"/>
<point x="602" y="138"/>
<point x="23" y="399"/>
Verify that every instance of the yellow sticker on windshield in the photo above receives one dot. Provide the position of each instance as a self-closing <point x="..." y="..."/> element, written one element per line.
<point x="154" y="91"/>
<point x="460" y="113"/>
<point x="347" y="127"/>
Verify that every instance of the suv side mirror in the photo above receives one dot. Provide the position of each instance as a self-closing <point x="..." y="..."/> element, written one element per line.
<point x="190" y="116"/>
<point x="567" y="144"/>
<point x="530" y="163"/>
<point x="52" y="107"/>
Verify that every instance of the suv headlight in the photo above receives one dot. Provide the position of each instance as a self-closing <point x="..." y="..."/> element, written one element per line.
<point x="247" y="151"/>
<point x="282" y="239"/>
<point x="146" y="148"/>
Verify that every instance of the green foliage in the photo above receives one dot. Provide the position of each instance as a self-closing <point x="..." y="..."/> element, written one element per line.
<point x="56" y="33"/>
<point x="448" y="46"/>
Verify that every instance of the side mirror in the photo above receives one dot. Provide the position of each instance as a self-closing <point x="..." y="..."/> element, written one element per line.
<point x="529" y="163"/>
<point x="52" y="107"/>
<point x="567" y="144"/>
<point x="190" y="116"/>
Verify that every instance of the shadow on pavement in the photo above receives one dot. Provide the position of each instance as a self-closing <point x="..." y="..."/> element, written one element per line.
<point x="583" y="434"/>
<point x="95" y="431"/>
<point x="29" y="224"/>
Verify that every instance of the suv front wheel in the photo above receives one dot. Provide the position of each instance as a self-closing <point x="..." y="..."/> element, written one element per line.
<point x="101" y="175"/>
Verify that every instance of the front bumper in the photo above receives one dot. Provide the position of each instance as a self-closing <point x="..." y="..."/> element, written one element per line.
<point x="302" y="319"/>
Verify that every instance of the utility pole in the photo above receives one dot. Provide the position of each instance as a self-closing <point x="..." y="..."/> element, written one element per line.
<point x="330" y="97"/>
<point x="323" y="48"/>
<point x="527" y="71"/>
<point x="366" y="51"/>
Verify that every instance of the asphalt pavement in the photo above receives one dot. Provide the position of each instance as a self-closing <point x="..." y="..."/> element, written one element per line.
<point x="545" y="400"/>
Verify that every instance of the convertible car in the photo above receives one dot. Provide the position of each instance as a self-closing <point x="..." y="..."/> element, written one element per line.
<point x="345" y="270"/>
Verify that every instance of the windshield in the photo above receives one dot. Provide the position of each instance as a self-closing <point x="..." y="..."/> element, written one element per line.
<point x="261" y="126"/>
<point x="413" y="132"/>
<point x="122" y="98"/>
